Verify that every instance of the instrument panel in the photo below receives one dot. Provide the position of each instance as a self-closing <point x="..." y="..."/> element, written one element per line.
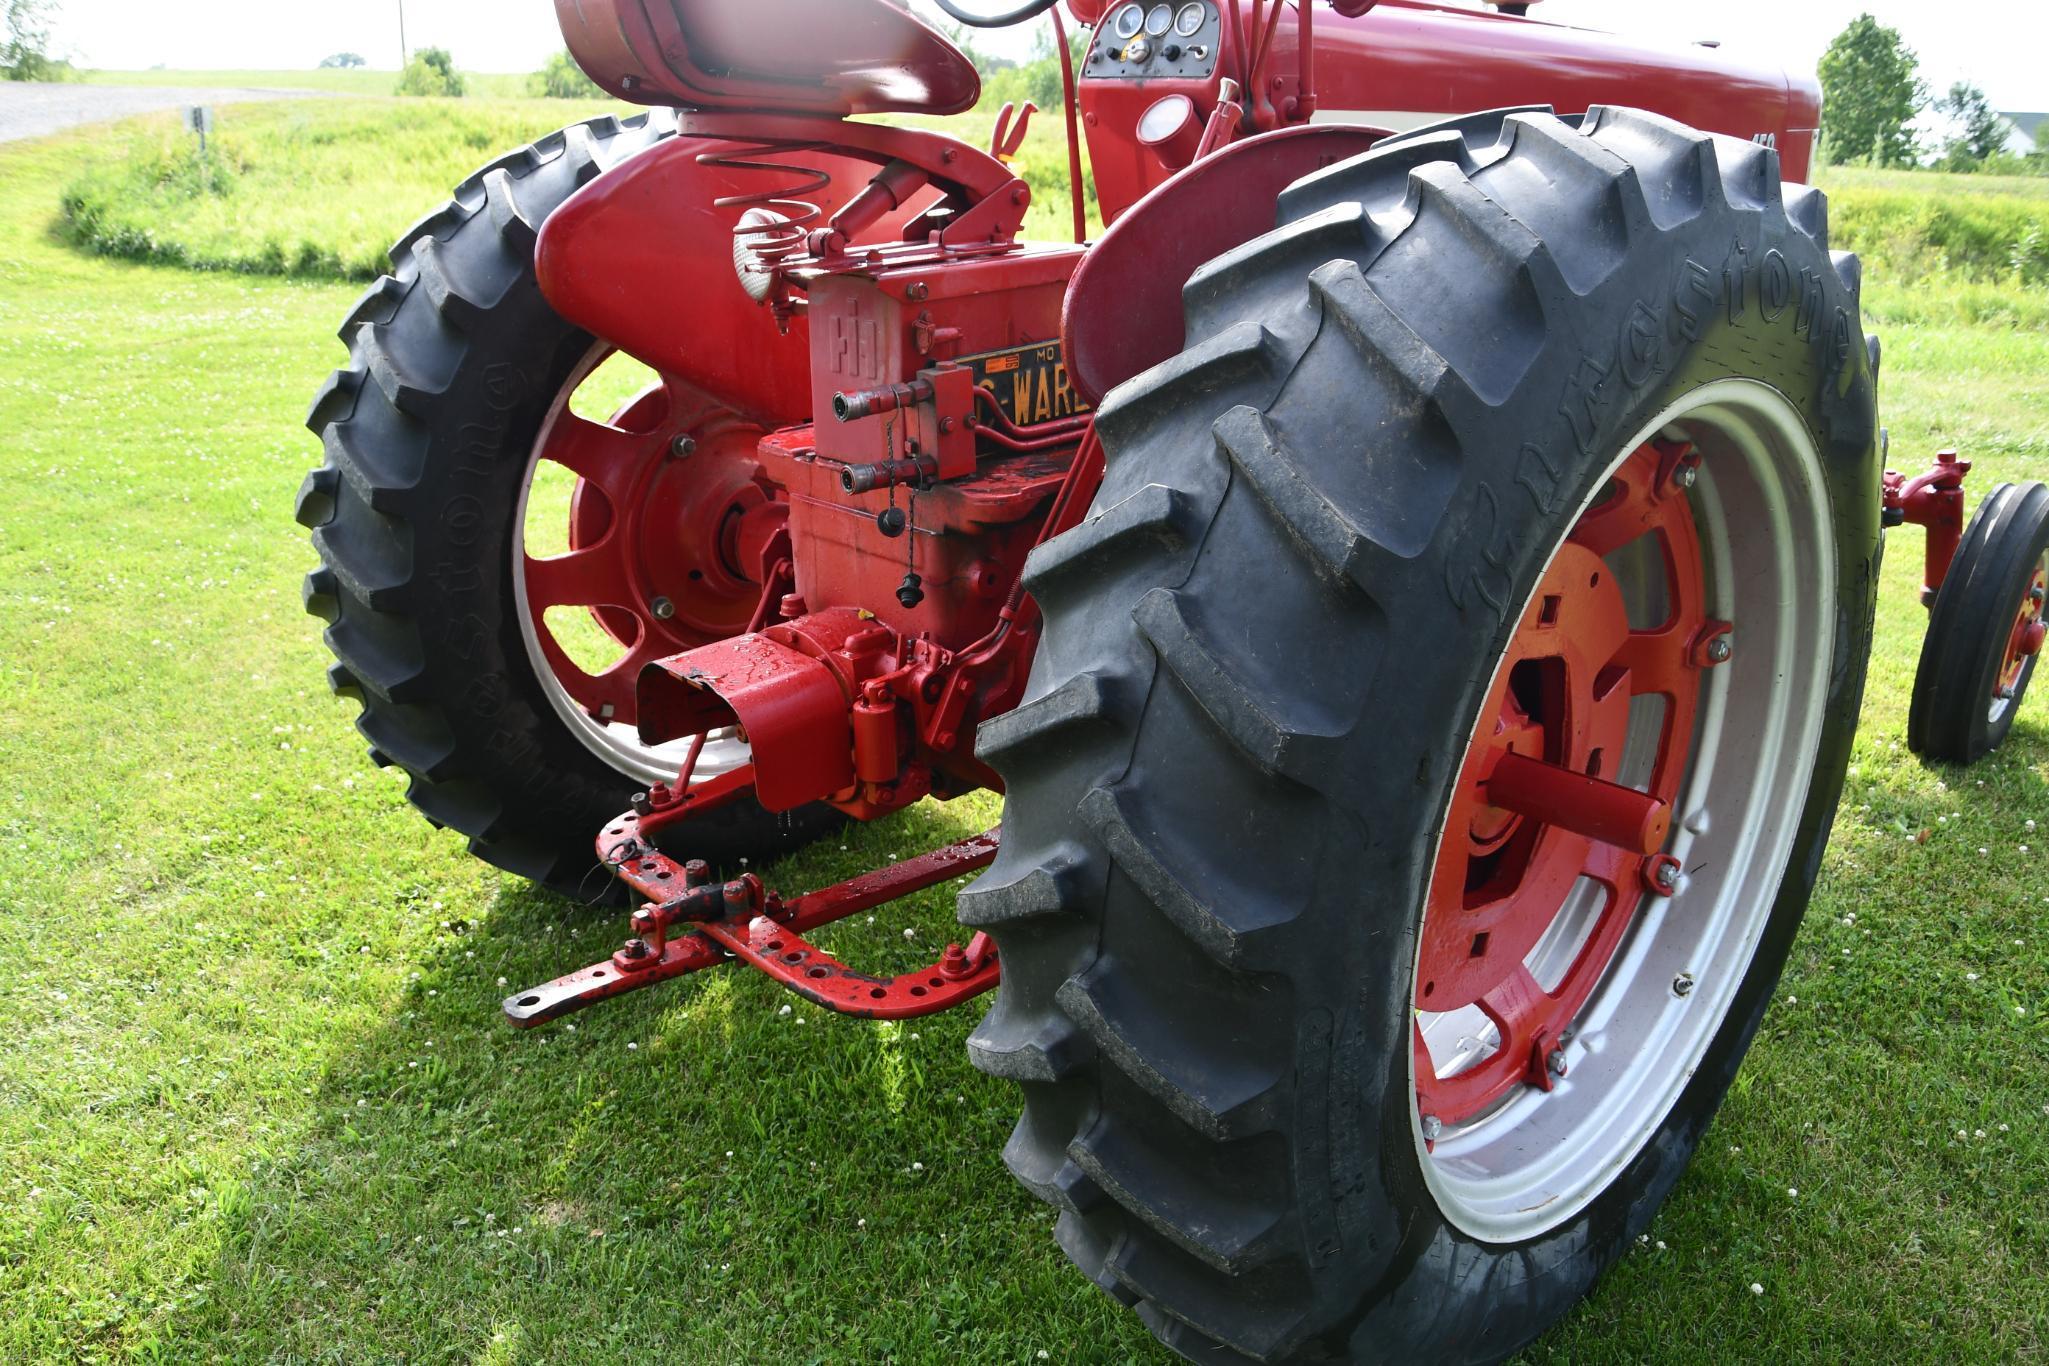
<point x="1150" y="39"/>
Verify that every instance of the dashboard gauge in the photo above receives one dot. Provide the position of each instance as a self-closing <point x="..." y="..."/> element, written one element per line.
<point x="1159" y="19"/>
<point x="1188" y="22"/>
<point x="1128" y="21"/>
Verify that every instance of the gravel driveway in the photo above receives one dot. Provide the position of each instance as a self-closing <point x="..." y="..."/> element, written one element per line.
<point x="29" y="109"/>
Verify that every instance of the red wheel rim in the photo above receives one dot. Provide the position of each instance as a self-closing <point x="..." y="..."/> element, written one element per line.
<point x="1527" y="839"/>
<point x="2024" y="642"/>
<point x="669" y="508"/>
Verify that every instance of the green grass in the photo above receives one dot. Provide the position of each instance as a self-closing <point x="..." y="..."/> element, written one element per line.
<point x="257" y="1103"/>
<point x="1942" y="230"/>
<point x="359" y="81"/>
<point x="322" y="188"/>
<point x="304" y="187"/>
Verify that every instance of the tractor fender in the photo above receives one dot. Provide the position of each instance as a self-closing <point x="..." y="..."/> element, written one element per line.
<point x="1123" y="312"/>
<point x="642" y="257"/>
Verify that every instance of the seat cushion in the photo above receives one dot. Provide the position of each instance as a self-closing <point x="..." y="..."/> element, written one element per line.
<point x="832" y="57"/>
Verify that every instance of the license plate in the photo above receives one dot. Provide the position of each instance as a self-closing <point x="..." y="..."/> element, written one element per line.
<point x="1029" y="382"/>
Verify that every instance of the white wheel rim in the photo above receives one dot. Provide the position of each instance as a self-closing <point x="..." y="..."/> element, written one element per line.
<point x="1767" y="540"/>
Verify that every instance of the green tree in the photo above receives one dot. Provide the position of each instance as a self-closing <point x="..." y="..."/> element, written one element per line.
<point x="1981" y="133"/>
<point x="25" y="48"/>
<point x="431" y="72"/>
<point x="342" y="61"/>
<point x="1869" y="95"/>
<point x="563" y="79"/>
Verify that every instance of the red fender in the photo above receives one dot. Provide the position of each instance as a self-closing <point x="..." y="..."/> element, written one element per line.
<point x="1123" y="308"/>
<point x="643" y="257"/>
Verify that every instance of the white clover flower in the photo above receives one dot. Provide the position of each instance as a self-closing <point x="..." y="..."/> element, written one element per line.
<point x="1756" y="1289"/>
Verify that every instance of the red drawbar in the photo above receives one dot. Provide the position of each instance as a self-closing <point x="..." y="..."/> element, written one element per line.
<point x="1541" y="805"/>
<point x="716" y="923"/>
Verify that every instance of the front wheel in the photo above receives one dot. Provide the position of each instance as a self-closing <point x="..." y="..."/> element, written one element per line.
<point x="1438" y="724"/>
<point x="1985" y="629"/>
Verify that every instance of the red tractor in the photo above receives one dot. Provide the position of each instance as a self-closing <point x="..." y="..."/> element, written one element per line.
<point x="1410" y="577"/>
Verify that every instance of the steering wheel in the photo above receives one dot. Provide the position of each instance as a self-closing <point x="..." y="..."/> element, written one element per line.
<point x="1031" y="9"/>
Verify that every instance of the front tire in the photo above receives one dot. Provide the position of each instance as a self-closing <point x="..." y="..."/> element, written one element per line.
<point x="1269" y="650"/>
<point x="1984" y="630"/>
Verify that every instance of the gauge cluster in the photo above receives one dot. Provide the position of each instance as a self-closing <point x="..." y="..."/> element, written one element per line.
<point x="1151" y="39"/>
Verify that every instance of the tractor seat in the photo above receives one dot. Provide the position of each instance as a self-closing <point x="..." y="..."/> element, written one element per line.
<point x="833" y="57"/>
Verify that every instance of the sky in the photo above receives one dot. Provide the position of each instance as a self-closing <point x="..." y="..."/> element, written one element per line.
<point x="1997" y="44"/>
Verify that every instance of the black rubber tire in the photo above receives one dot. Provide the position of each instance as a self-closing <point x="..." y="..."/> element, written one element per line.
<point x="1264" y="650"/>
<point x="1968" y="625"/>
<point x="454" y="361"/>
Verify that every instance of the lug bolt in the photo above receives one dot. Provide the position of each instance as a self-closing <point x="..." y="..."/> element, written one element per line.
<point x="1432" y="1127"/>
<point x="2006" y="694"/>
<point x="682" y="447"/>
<point x="1682" y="985"/>
<point x="2034" y="595"/>
<point x="1556" y="1062"/>
<point x="1685" y="476"/>
<point x="1665" y="877"/>
<point x="1719" y="649"/>
<point x="662" y="608"/>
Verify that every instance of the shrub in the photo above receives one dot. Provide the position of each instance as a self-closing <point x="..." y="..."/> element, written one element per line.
<point x="563" y="79"/>
<point x="430" y="72"/>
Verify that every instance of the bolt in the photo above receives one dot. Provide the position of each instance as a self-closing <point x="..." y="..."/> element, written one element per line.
<point x="1720" y="648"/>
<point x="696" y="873"/>
<point x="662" y="608"/>
<point x="1432" y="1127"/>
<point x="1682" y="984"/>
<point x="1665" y="877"/>
<point x="1685" y="476"/>
<point x="2006" y="694"/>
<point x="634" y="948"/>
<point x="682" y="447"/>
<point x="917" y="291"/>
<point x="641" y="803"/>
<point x="1556" y="1062"/>
<point x="2034" y="595"/>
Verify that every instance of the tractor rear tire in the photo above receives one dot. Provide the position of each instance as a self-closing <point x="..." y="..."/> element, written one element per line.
<point x="456" y="362"/>
<point x="1968" y="657"/>
<point x="1267" y="649"/>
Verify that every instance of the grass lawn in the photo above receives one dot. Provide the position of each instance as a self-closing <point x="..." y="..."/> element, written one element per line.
<point x="257" y="1102"/>
<point x="355" y="81"/>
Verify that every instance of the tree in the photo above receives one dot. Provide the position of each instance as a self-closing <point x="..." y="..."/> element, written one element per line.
<point x="342" y="60"/>
<point x="25" y="51"/>
<point x="1869" y="95"/>
<point x="431" y="72"/>
<point x="1981" y="133"/>
<point x="563" y="79"/>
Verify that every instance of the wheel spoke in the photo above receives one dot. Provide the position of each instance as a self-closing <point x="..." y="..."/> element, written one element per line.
<point x="1656" y="660"/>
<point x="1625" y="515"/>
<point x="1517" y="1005"/>
<point x="602" y="456"/>
<point x="595" y="576"/>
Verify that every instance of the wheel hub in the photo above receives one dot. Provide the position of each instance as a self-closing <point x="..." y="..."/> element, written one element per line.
<point x="1559" y="841"/>
<point x="667" y="524"/>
